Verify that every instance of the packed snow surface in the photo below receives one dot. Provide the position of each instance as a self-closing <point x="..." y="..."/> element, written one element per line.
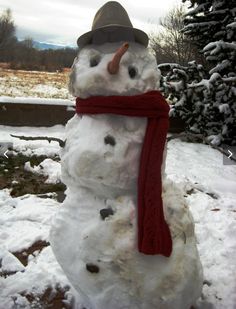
<point x="90" y="76"/>
<point x="48" y="168"/>
<point x="100" y="165"/>
<point x="101" y="176"/>
<point x="33" y="147"/>
<point x="33" y="100"/>
<point x="207" y="186"/>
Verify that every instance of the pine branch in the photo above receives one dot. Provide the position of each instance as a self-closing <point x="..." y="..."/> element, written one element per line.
<point x="47" y="138"/>
<point x="195" y="137"/>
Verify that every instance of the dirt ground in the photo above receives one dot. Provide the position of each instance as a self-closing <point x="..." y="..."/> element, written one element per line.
<point x="14" y="177"/>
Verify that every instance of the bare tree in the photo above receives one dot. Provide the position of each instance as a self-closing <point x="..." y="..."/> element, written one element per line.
<point x="28" y="42"/>
<point x="27" y="55"/>
<point x="170" y="44"/>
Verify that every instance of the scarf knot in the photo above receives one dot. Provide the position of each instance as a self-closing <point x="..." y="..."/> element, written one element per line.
<point x="153" y="232"/>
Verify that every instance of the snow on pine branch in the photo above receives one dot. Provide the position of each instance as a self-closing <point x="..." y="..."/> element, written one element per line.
<point x="215" y="47"/>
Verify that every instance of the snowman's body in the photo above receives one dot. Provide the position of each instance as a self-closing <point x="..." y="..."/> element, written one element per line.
<point x="100" y="164"/>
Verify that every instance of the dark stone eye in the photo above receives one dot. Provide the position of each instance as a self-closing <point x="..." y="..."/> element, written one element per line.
<point x="94" y="61"/>
<point x="132" y="72"/>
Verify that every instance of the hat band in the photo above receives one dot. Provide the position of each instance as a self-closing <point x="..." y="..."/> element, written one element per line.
<point x="109" y="35"/>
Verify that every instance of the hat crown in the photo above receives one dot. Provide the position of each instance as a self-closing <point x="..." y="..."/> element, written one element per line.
<point x="111" y="23"/>
<point x="111" y="13"/>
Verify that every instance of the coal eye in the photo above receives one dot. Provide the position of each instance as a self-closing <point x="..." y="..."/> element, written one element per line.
<point x="94" y="61"/>
<point x="132" y="72"/>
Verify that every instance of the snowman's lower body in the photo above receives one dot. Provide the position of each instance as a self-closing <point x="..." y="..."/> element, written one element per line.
<point x="101" y="260"/>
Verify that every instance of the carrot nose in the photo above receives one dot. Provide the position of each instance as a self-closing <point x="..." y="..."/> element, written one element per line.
<point x="113" y="65"/>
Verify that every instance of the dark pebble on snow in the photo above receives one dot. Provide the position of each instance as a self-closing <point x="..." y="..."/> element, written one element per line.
<point x="106" y="212"/>
<point x="92" y="268"/>
<point x="109" y="140"/>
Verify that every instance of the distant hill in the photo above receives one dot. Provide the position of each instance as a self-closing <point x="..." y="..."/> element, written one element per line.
<point x="43" y="46"/>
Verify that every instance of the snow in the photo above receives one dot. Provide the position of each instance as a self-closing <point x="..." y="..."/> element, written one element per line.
<point x="33" y="100"/>
<point x="9" y="262"/>
<point x="50" y="90"/>
<point x="204" y="25"/>
<point x="100" y="175"/>
<point x="87" y="81"/>
<point x="19" y="83"/>
<point x="28" y="216"/>
<point x="194" y="167"/>
<point x="100" y="257"/>
<point x="25" y="220"/>
<point x="232" y="25"/>
<point x="224" y="108"/>
<point x="212" y="204"/>
<point x="33" y="147"/>
<point x="216" y="47"/>
<point x="48" y="168"/>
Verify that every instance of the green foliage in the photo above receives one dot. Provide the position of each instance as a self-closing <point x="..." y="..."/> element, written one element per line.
<point x="207" y="100"/>
<point x="206" y="103"/>
<point x="207" y="20"/>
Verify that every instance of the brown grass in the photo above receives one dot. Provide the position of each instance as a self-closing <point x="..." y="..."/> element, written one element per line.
<point x="27" y="83"/>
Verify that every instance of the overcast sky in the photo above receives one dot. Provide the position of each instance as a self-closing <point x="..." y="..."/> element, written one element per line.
<point x="63" y="21"/>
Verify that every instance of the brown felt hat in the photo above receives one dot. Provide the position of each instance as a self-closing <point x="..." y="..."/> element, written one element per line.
<point x="112" y="24"/>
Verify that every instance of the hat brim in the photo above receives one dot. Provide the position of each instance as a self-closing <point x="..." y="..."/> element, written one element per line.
<point x="139" y="36"/>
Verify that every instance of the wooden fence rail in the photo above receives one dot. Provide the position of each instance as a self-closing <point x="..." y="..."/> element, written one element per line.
<point x="46" y="115"/>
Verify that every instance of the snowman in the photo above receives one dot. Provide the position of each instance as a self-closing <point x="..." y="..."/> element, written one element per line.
<point x="124" y="235"/>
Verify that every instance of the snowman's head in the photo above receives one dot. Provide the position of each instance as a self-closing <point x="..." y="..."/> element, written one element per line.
<point x="134" y="72"/>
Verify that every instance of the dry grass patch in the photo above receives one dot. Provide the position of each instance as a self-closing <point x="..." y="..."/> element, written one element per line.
<point x="19" y="83"/>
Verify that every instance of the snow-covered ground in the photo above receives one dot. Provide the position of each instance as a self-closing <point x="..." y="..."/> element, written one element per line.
<point x="209" y="188"/>
<point x="207" y="185"/>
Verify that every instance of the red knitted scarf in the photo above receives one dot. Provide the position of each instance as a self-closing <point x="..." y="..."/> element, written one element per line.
<point x="153" y="232"/>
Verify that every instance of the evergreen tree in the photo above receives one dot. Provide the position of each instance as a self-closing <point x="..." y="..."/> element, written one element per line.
<point x="186" y="88"/>
<point x="7" y="35"/>
<point x="208" y="19"/>
<point x="209" y="105"/>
